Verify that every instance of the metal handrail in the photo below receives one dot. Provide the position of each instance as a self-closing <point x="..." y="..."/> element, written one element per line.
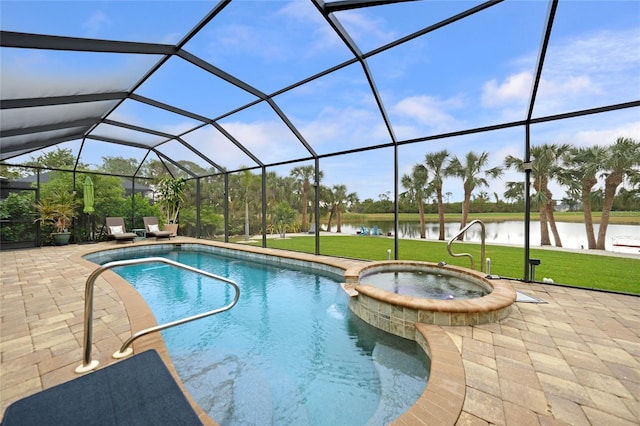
<point x="482" y="235"/>
<point x="87" y="363"/>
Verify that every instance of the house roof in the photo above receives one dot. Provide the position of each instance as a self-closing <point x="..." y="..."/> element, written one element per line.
<point x="127" y="184"/>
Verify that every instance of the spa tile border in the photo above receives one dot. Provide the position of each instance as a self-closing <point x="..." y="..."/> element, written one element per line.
<point x="397" y="313"/>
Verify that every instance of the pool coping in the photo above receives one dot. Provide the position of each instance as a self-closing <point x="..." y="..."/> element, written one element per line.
<point x="445" y="378"/>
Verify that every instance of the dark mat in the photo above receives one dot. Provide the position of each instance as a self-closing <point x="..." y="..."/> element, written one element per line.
<point x="137" y="391"/>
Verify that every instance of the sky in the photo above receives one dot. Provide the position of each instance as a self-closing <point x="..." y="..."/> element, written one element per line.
<point x="473" y="73"/>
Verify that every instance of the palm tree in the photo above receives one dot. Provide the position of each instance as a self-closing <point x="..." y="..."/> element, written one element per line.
<point x="328" y="201"/>
<point x="416" y="186"/>
<point x="249" y="184"/>
<point x="544" y="167"/>
<point x="435" y="165"/>
<point x="580" y="174"/>
<point x="339" y="199"/>
<point x="304" y="175"/>
<point x="283" y="217"/>
<point x="621" y="161"/>
<point x="468" y="172"/>
<point x="515" y="192"/>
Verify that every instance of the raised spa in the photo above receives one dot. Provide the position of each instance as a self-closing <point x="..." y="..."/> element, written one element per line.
<point x="395" y="295"/>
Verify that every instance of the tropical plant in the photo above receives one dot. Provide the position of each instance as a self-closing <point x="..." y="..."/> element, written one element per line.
<point x="416" y="186"/>
<point x="468" y="171"/>
<point x="435" y="165"/>
<point x="283" y="217"/>
<point x="170" y="197"/>
<point x="58" y="209"/>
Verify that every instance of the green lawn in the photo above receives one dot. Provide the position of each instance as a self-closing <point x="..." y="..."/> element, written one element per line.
<point x="570" y="268"/>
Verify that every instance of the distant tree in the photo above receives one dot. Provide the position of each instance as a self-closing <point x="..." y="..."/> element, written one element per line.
<point x="621" y="162"/>
<point x="327" y="204"/>
<point x="582" y="166"/>
<point x="154" y="168"/>
<point x="249" y="187"/>
<point x="435" y="166"/>
<point x="515" y="192"/>
<point x="57" y="159"/>
<point x="629" y="199"/>
<point x="11" y="172"/>
<point x="304" y="176"/>
<point x="352" y="201"/>
<point x="545" y="167"/>
<point x="119" y="165"/>
<point x="416" y="188"/>
<point x="339" y="200"/>
<point x="469" y="172"/>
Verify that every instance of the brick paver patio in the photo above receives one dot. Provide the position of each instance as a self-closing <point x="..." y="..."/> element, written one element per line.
<point x="573" y="360"/>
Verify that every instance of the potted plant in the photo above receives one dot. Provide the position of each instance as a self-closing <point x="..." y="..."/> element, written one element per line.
<point x="170" y="197"/>
<point x="58" y="209"/>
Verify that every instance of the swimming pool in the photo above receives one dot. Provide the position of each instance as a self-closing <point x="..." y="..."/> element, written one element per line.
<point x="290" y="352"/>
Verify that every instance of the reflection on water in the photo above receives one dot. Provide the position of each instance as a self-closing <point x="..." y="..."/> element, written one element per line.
<point x="573" y="235"/>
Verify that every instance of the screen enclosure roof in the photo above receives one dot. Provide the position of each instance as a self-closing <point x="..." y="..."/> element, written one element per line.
<point x="213" y="87"/>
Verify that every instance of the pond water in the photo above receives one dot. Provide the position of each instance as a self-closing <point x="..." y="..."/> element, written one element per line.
<point x="573" y="235"/>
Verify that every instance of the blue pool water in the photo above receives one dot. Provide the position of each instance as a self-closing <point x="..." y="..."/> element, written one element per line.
<point x="425" y="284"/>
<point x="289" y="353"/>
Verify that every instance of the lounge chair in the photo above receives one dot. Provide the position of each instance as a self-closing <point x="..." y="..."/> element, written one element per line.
<point x="363" y="230"/>
<point x="117" y="231"/>
<point x="376" y="230"/>
<point x="153" y="229"/>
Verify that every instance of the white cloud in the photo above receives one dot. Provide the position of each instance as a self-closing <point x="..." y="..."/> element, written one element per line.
<point x="578" y="71"/>
<point x="515" y="89"/>
<point x="343" y="128"/>
<point x="94" y="24"/>
<point x="601" y="53"/>
<point x="428" y="111"/>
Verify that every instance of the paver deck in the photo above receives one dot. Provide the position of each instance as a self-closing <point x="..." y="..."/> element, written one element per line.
<point x="573" y="360"/>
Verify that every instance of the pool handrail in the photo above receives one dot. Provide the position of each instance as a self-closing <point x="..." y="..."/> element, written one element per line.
<point x="482" y="251"/>
<point x="125" y="350"/>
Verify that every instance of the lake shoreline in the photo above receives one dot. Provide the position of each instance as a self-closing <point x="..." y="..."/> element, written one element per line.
<point x="621" y="218"/>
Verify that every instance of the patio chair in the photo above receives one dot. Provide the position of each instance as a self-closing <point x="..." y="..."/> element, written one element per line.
<point x="153" y="229"/>
<point x="363" y="230"/>
<point x="117" y="231"/>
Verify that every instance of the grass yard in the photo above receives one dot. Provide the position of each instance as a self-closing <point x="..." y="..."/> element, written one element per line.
<point x="564" y="267"/>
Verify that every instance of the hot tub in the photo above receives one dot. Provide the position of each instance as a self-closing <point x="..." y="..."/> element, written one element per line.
<point x="396" y="306"/>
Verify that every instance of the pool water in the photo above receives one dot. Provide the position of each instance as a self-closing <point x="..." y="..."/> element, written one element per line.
<point x="424" y="284"/>
<point x="289" y="353"/>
